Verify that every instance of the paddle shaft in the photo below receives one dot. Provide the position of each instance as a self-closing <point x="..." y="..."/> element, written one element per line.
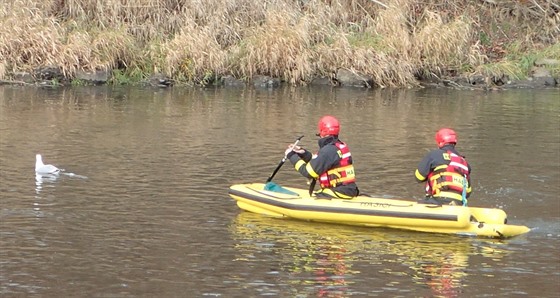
<point x="282" y="162"/>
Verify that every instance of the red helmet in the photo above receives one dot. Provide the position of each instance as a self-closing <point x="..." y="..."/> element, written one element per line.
<point x="328" y="125"/>
<point x="446" y="136"/>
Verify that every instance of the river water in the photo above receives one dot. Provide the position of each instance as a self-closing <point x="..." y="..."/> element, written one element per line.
<point x="143" y="208"/>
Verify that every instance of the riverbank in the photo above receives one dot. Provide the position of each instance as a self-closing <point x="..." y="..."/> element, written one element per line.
<point x="362" y="43"/>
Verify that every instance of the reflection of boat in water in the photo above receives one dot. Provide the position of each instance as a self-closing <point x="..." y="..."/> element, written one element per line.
<point x="328" y="260"/>
<point x="375" y="212"/>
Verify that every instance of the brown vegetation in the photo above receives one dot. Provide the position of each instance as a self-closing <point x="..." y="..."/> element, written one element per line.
<point x="394" y="41"/>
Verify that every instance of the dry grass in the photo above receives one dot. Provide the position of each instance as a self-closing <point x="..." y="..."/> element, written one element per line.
<point x="393" y="41"/>
<point x="42" y="40"/>
<point x="193" y="54"/>
<point x="438" y="46"/>
<point x="279" y="48"/>
<point x="28" y="39"/>
<point x="2" y="69"/>
<point x="394" y="26"/>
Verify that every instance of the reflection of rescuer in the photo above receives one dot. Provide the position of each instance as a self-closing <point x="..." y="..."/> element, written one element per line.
<point x="444" y="276"/>
<point x="330" y="272"/>
<point x="445" y="171"/>
<point x="331" y="166"/>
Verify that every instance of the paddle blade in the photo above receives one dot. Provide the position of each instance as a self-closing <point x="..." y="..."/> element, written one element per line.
<point x="271" y="186"/>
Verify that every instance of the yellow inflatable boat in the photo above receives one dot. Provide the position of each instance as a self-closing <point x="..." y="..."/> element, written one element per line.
<point x="375" y="212"/>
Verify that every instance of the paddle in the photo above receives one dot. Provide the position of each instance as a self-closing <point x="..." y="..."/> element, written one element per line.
<point x="282" y="162"/>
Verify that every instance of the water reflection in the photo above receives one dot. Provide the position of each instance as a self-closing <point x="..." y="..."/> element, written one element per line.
<point x="322" y="259"/>
<point x="319" y="263"/>
<point x="41" y="179"/>
<point x="441" y="267"/>
<point x="50" y="179"/>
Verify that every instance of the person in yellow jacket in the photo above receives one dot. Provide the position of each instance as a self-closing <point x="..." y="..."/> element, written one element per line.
<point x="445" y="171"/>
<point x="332" y="166"/>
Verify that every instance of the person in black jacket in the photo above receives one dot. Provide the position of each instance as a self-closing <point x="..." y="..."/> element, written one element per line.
<point x="445" y="171"/>
<point x="332" y="166"/>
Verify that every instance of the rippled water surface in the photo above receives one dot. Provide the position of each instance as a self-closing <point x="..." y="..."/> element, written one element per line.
<point x="143" y="211"/>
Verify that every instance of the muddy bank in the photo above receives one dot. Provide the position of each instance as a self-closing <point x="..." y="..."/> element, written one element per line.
<point x="540" y="77"/>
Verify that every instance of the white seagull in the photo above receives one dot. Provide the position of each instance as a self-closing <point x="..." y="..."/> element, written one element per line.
<point x="41" y="168"/>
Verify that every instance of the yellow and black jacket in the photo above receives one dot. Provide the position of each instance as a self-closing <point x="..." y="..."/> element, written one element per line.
<point x="332" y="166"/>
<point x="446" y="173"/>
